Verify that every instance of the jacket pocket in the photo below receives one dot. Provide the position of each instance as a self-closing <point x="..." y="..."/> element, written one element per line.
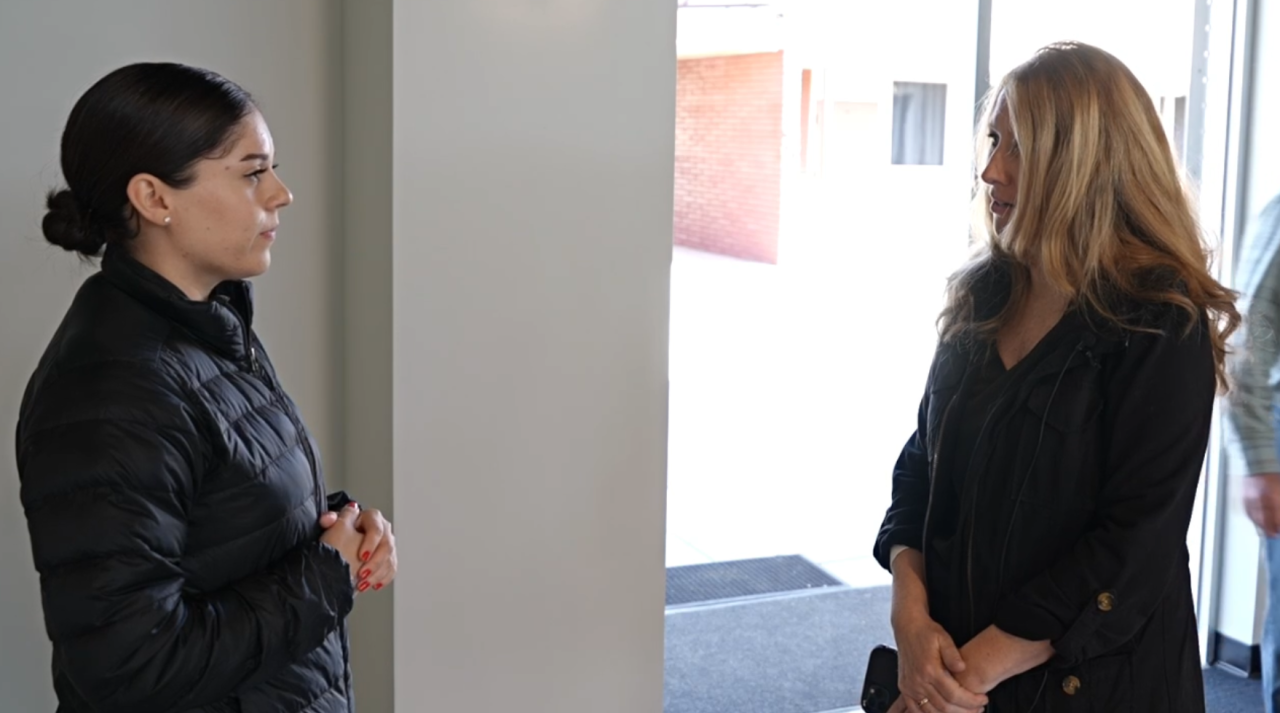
<point x="1059" y="468"/>
<point x="1110" y="684"/>
<point x="1068" y="407"/>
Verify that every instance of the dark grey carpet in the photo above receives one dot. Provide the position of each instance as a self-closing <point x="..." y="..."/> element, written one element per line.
<point x="799" y="654"/>
<point x="743" y="578"/>
<point x="1228" y="693"/>
<point x="806" y="653"/>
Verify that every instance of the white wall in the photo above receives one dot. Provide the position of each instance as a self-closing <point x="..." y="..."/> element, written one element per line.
<point x="1243" y="576"/>
<point x="534" y="163"/>
<point x="1263" y="168"/>
<point x="1240" y="574"/>
<point x="286" y="53"/>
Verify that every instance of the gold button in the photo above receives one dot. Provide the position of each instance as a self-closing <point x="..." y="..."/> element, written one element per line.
<point x="1070" y="685"/>
<point x="1106" y="601"/>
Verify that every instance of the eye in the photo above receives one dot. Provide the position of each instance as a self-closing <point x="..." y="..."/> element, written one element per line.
<point x="994" y="139"/>
<point x="256" y="175"/>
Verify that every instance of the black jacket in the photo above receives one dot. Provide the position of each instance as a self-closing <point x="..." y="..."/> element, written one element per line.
<point x="172" y="495"/>
<point x="1073" y="513"/>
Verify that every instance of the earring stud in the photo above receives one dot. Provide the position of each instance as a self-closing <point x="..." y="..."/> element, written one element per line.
<point x="168" y="219"/>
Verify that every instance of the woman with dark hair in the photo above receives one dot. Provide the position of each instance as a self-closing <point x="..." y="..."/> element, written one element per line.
<point x="189" y="557"/>
<point x="1037" y="531"/>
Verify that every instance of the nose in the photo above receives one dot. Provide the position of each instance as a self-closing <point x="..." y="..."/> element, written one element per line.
<point x="996" y="172"/>
<point x="282" y="196"/>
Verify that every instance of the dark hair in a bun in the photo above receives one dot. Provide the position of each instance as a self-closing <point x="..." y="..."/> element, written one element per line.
<point x="68" y="226"/>
<point x="154" y="118"/>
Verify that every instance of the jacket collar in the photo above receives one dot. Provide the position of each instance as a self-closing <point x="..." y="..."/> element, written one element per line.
<point x="223" y="323"/>
<point x="1082" y="337"/>
<point x="1085" y="339"/>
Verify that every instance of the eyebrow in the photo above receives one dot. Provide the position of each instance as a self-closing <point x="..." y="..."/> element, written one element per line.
<point x="255" y="157"/>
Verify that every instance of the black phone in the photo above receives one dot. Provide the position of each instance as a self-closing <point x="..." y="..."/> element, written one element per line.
<point x="880" y="685"/>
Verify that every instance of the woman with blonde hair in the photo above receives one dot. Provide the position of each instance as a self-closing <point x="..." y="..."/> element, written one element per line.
<point x="1037" y="530"/>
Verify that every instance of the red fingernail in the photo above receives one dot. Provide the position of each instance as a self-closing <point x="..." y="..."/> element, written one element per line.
<point x="376" y="587"/>
<point x="365" y="557"/>
<point x="365" y="574"/>
<point x="363" y="586"/>
<point x="351" y="504"/>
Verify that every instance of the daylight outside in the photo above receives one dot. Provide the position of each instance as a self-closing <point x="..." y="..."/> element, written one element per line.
<point x="824" y="167"/>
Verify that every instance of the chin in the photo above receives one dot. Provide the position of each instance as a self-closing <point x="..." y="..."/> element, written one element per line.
<point x="256" y="266"/>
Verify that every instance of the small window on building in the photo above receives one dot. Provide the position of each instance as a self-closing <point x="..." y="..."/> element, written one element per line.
<point x="1173" y="115"/>
<point x="919" y="121"/>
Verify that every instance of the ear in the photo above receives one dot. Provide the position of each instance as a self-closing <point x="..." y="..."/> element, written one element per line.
<point x="151" y="199"/>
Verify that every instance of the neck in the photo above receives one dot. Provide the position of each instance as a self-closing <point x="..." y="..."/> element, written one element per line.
<point x="196" y="286"/>
<point x="1044" y="292"/>
<point x="1041" y="298"/>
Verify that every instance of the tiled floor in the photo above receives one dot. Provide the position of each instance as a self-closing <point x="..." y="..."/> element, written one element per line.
<point x="793" y="387"/>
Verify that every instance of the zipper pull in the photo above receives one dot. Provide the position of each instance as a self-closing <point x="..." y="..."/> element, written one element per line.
<point x="253" y="360"/>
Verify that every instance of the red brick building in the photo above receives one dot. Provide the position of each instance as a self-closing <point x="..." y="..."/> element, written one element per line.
<point x="728" y="183"/>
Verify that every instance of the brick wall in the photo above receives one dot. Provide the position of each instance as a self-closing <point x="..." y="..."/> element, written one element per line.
<point x="729" y="155"/>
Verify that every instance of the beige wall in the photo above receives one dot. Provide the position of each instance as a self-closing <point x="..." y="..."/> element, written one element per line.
<point x="366" y="316"/>
<point x="286" y="52"/>
<point x="534" y="152"/>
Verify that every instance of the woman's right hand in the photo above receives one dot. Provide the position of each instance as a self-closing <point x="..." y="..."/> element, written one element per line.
<point x="340" y="533"/>
<point x="927" y="663"/>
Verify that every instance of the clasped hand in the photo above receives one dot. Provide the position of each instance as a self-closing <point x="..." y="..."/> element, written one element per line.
<point x="932" y="675"/>
<point x="365" y="540"/>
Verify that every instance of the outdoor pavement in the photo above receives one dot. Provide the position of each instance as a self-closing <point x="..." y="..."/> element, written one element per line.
<point x="793" y="388"/>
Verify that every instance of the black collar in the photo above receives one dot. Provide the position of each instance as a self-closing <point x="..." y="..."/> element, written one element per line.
<point x="223" y="323"/>
<point x="1085" y="336"/>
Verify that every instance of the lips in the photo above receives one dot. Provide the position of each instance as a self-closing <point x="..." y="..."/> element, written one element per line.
<point x="1000" y="207"/>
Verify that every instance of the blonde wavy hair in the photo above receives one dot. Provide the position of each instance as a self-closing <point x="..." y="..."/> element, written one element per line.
<point x="1101" y="207"/>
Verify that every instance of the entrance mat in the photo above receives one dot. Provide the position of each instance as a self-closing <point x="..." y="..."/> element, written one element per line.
<point x="699" y="583"/>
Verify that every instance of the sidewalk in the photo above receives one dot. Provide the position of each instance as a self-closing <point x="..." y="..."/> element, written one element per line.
<point x="793" y="388"/>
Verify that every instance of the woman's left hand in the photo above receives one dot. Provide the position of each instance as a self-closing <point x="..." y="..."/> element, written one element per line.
<point x="377" y="549"/>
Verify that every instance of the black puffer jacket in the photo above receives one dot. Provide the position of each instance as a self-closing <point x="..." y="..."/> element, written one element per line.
<point x="1073" y="511"/>
<point x="172" y="495"/>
